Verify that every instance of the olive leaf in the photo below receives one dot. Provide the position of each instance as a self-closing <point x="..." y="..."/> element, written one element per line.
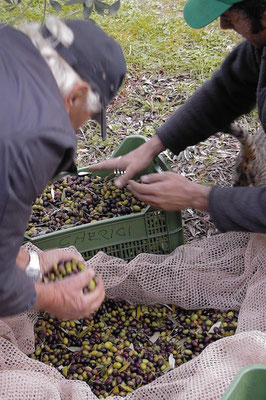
<point x="74" y="348"/>
<point x="114" y="8"/>
<point x="168" y="367"/>
<point x="131" y="346"/>
<point x="167" y="306"/>
<point x="71" y="2"/>
<point x="101" y="7"/>
<point x="63" y="330"/>
<point x="174" y="321"/>
<point x="171" y="361"/>
<point x="63" y="194"/>
<point x="216" y="325"/>
<point x="57" y="6"/>
<point x="155" y="337"/>
<point x="83" y="333"/>
<point x="116" y="390"/>
<point x="52" y="192"/>
<point x="180" y="344"/>
<point x="11" y="5"/>
<point x="87" y="10"/>
<point x="125" y="366"/>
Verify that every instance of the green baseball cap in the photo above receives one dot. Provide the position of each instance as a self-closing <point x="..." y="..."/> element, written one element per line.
<point x="199" y="13"/>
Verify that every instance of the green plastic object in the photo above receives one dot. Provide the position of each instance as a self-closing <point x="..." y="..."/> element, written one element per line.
<point x="149" y="231"/>
<point x="248" y="384"/>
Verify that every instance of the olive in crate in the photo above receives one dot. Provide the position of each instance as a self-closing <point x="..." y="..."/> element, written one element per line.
<point x="73" y="201"/>
<point x="68" y="268"/>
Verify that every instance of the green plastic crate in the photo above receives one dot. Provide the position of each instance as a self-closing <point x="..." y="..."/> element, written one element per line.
<point x="248" y="384"/>
<point x="149" y="231"/>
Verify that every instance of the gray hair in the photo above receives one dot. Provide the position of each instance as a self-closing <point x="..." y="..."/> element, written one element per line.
<point x="64" y="75"/>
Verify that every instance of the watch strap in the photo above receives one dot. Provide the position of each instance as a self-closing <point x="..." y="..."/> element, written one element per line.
<point x="33" y="269"/>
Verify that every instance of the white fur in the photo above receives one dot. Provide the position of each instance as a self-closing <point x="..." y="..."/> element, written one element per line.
<point x="93" y="102"/>
<point x="64" y="75"/>
<point x="59" y="30"/>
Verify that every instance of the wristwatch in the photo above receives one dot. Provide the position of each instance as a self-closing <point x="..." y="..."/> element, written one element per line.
<point x="33" y="269"/>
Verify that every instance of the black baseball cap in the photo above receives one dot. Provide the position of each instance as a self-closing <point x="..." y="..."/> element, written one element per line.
<point x="97" y="58"/>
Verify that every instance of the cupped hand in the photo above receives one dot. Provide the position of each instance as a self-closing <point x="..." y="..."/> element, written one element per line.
<point x="170" y="192"/>
<point x="50" y="257"/>
<point x="65" y="299"/>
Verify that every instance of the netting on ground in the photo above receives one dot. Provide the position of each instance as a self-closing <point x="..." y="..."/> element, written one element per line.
<point x="226" y="271"/>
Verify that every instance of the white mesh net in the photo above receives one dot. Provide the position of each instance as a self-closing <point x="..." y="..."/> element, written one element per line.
<point x="226" y="271"/>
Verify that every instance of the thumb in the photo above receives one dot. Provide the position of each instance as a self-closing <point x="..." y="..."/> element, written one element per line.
<point x="123" y="179"/>
<point x="81" y="279"/>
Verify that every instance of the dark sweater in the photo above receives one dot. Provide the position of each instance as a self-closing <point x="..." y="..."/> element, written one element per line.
<point x="36" y="142"/>
<point x="232" y="91"/>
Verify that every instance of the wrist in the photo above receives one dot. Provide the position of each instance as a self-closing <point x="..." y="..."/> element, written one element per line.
<point x="45" y="296"/>
<point x="199" y="196"/>
<point x="155" y="146"/>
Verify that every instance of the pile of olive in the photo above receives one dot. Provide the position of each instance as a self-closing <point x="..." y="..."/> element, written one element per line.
<point x="124" y="346"/>
<point x="75" y="200"/>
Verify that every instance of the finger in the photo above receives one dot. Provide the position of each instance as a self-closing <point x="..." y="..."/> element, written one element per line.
<point x="150" y="200"/>
<point x="81" y="280"/>
<point x="123" y="179"/>
<point x="147" y="198"/>
<point x="139" y="189"/>
<point x="68" y="255"/>
<point x="95" y="298"/>
<point x="151" y="178"/>
<point x="110" y="164"/>
<point x="98" y="294"/>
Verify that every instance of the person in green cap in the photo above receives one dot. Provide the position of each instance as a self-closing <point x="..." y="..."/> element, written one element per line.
<point x="234" y="89"/>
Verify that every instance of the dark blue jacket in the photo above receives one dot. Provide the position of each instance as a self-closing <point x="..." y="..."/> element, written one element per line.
<point x="233" y="90"/>
<point x="36" y="142"/>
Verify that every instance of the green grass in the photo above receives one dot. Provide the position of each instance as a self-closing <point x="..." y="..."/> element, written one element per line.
<point x="167" y="61"/>
<point x="154" y="37"/>
<point x="158" y="45"/>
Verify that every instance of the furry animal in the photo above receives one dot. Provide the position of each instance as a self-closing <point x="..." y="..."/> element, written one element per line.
<point x="250" y="168"/>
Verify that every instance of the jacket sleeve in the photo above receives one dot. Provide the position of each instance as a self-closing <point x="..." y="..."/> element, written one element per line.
<point x="230" y="93"/>
<point x="26" y="167"/>
<point x="239" y="208"/>
<point x="17" y="292"/>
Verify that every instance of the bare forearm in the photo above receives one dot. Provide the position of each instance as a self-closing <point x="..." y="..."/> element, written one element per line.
<point x="154" y="146"/>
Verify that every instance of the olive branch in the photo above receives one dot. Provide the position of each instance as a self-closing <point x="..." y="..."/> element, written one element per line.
<point x="87" y="7"/>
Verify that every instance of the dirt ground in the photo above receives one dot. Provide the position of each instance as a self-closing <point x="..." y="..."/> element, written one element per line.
<point x="144" y="103"/>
